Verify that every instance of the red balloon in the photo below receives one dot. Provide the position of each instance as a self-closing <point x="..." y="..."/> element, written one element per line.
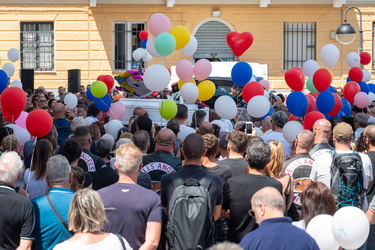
<point x="310" y="103"/>
<point x="295" y="79"/>
<point x="108" y="80"/>
<point x="13" y="100"/>
<point x="350" y="90"/>
<point x="9" y="117"/>
<point x="356" y="74"/>
<point x="311" y="118"/>
<point x="365" y="58"/>
<point x="338" y="104"/>
<point x="143" y="35"/>
<point x="292" y="118"/>
<point x="322" y="78"/>
<point x="252" y="89"/>
<point x="314" y="94"/>
<point x="239" y="42"/>
<point x="39" y="123"/>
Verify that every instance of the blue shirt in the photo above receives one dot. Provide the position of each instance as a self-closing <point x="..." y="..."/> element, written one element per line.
<point x="48" y="230"/>
<point x="278" y="233"/>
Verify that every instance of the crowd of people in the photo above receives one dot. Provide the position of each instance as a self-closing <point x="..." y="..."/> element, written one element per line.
<point x="81" y="188"/>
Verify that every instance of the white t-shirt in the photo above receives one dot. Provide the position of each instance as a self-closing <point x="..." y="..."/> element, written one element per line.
<point x="185" y="131"/>
<point x="111" y="242"/>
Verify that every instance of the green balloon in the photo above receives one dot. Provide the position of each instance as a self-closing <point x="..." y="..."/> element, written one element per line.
<point x="165" y="44"/>
<point x="168" y="109"/>
<point x="310" y="86"/>
<point x="98" y="89"/>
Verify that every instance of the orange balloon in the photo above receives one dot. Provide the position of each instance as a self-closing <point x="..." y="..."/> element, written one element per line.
<point x="118" y="97"/>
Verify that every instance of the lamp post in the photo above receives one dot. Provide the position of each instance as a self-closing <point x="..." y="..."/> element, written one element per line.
<point x="345" y="33"/>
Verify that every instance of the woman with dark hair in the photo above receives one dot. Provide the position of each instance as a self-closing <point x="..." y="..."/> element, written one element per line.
<point x="35" y="101"/>
<point x="316" y="199"/>
<point x="51" y="103"/>
<point x="93" y="114"/>
<point x="34" y="178"/>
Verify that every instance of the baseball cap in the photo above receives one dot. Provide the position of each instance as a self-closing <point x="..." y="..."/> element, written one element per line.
<point x="343" y="131"/>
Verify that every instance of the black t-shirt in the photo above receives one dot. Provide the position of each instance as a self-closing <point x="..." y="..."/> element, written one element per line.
<point x="196" y="172"/>
<point x="223" y="171"/>
<point x="371" y="190"/>
<point x="16" y="218"/>
<point x="90" y="162"/>
<point x="238" y="165"/>
<point x="238" y="192"/>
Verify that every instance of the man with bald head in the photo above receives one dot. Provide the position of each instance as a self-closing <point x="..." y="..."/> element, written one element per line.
<point x="62" y="125"/>
<point x="162" y="161"/>
<point x="299" y="166"/>
<point x="206" y="128"/>
<point x="275" y="231"/>
<point x="322" y="130"/>
<point x="139" y="111"/>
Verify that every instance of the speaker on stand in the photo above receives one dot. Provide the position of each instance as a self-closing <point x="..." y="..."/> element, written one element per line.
<point x="27" y="79"/>
<point x="74" y="80"/>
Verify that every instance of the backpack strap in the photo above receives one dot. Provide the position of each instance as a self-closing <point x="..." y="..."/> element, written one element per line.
<point x="121" y="240"/>
<point x="206" y="180"/>
<point x="176" y="179"/>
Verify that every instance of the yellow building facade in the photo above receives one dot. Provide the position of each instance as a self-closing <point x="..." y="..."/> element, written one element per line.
<point x="83" y="36"/>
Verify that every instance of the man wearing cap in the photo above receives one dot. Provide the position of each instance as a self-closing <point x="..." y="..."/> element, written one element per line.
<point x="342" y="136"/>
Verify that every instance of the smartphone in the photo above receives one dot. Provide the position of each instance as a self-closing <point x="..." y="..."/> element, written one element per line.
<point x="249" y="128"/>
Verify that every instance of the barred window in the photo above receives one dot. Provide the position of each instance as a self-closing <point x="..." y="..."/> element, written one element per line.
<point x="37" y="46"/>
<point x="126" y="41"/>
<point x="299" y="44"/>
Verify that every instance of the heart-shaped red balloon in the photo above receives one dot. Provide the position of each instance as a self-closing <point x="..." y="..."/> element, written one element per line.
<point x="239" y="42"/>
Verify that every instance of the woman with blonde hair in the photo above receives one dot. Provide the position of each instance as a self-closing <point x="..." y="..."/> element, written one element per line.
<point x="275" y="170"/>
<point x="10" y="143"/>
<point x="86" y="219"/>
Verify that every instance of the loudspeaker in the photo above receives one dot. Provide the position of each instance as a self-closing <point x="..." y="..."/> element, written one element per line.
<point x="74" y="80"/>
<point x="27" y="79"/>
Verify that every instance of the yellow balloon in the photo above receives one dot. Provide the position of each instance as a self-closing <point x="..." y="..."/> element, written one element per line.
<point x="206" y="90"/>
<point x="180" y="83"/>
<point x="181" y="35"/>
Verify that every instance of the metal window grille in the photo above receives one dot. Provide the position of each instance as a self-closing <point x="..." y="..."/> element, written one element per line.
<point x="299" y="43"/>
<point x="37" y="46"/>
<point x="373" y="46"/>
<point x="126" y="41"/>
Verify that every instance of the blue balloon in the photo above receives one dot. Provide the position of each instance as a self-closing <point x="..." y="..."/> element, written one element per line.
<point x="348" y="79"/>
<point x="89" y="95"/>
<point x="331" y="89"/>
<point x="325" y="102"/>
<point x="364" y="87"/>
<point x="346" y="108"/>
<point x="104" y="103"/>
<point x="371" y="87"/>
<point x="297" y="103"/>
<point x="143" y="43"/>
<point x="328" y="117"/>
<point x="339" y="115"/>
<point x="3" y="80"/>
<point x="241" y="73"/>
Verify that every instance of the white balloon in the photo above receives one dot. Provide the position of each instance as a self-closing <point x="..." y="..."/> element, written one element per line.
<point x="150" y="46"/>
<point x="329" y="55"/>
<point x="350" y="227"/>
<point x="291" y="129"/>
<point x="353" y="59"/>
<point x="13" y="54"/>
<point x="225" y="107"/>
<point x="148" y="57"/>
<point x="22" y="134"/>
<point x="191" y="47"/>
<point x="189" y="91"/>
<point x="113" y="127"/>
<point x="258" y="106"/>
<point x="9" y="69"/>
<point x="371" y="98"/>
<point x="309" y="67"/>
<point x="16" y="83"/>
<point x="320" y="228"/>
<point x="137" y="55"/>
<point x="266" y="94"/>
<point x="156" y="77"/>
<point x="366" y="75"/>
<point x="70" y="100"/>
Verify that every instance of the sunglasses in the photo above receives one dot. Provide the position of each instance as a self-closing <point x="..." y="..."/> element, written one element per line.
<point x="42" y="101"/>
<point x="371" y="106"/>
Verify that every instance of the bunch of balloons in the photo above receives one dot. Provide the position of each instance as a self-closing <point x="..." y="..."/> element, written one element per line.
<point x="9" y="69"/>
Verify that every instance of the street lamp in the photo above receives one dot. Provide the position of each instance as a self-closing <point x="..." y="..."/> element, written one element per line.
<point x="345" y="34"/>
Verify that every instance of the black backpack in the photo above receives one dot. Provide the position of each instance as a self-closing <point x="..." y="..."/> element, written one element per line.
<point x="190" y="221"/>
<point x="347" y="179"/>
<point x="63" y="132"/>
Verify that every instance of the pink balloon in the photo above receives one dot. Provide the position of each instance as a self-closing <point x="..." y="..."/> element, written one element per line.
<point x="361" y="100"/>
<point x="265" y="84"/>
<point x="159" y="23"/>
<point x="202" y="69"/>
<point x="117" y="111"/>
<point x="21" y="121"/>
<point x="184" y="70"/>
